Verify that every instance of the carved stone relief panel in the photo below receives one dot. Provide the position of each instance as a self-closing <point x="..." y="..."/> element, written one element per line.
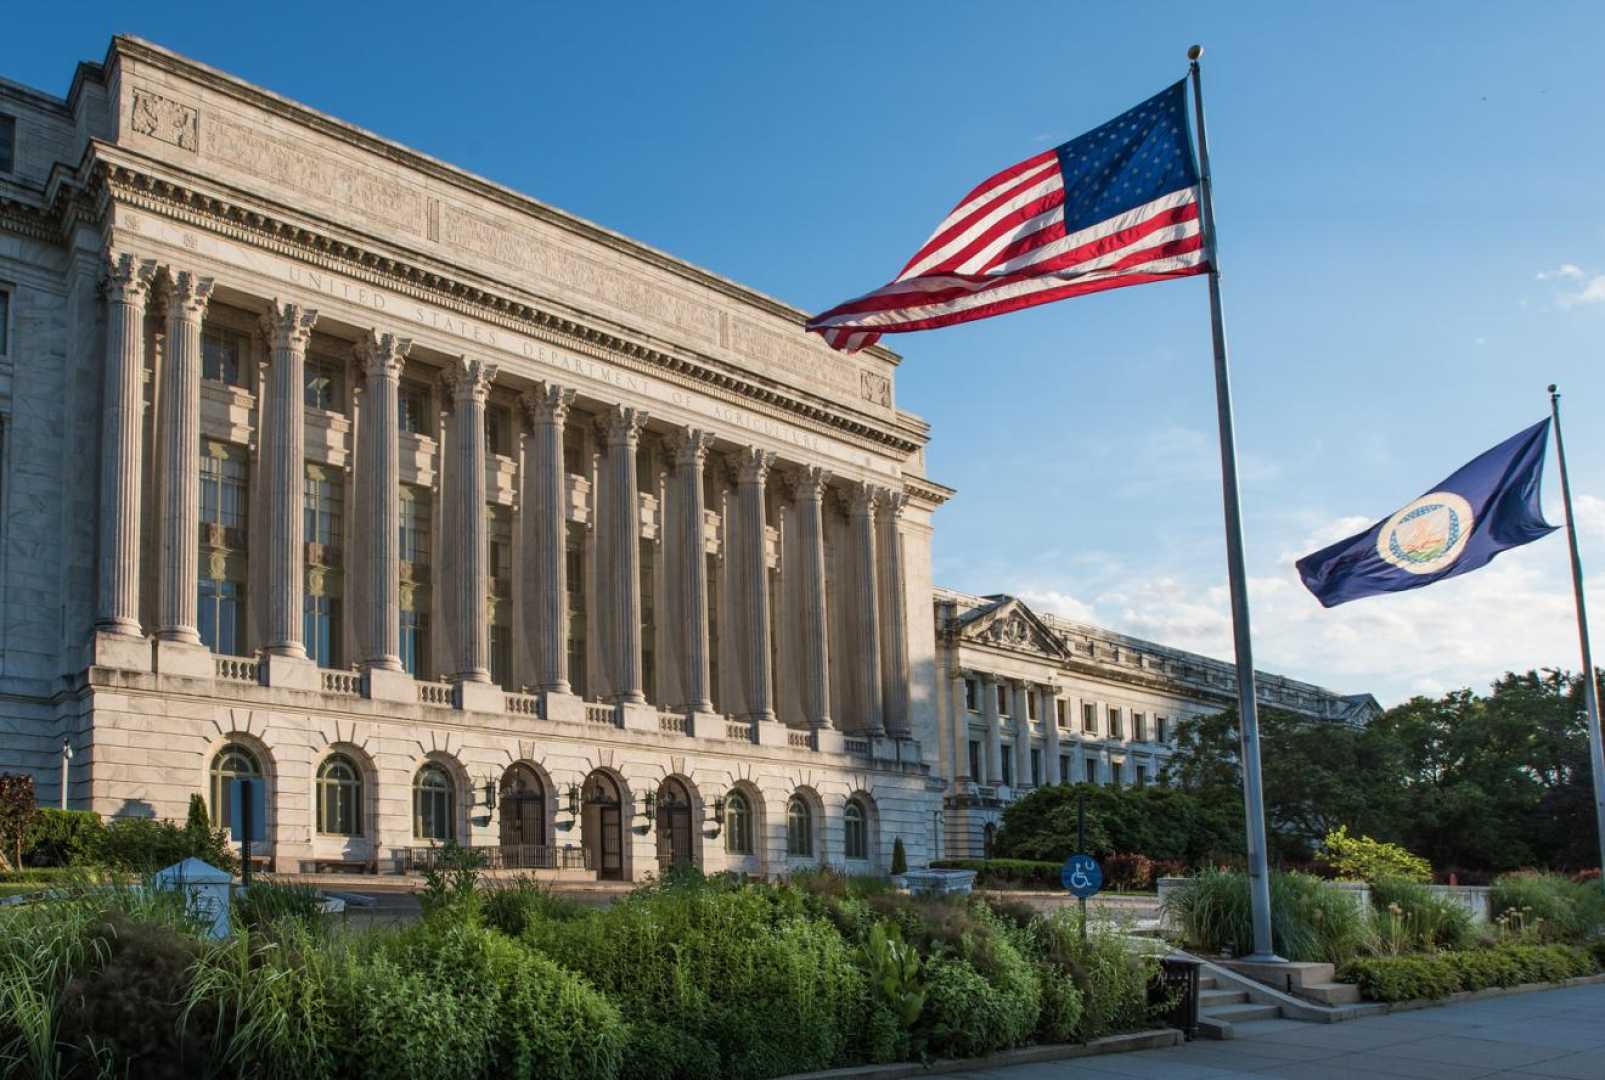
<point x="165" y="119"/>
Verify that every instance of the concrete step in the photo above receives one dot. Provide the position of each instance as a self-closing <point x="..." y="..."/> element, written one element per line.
<point x="1236" y="1014"/>
<point x="1206" y="981"/>
<point x="1210" y="999"/>
<point x="1330" y="993"/>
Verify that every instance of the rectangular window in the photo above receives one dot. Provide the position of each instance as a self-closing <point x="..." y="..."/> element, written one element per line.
<point x="1114" y="773"/>
<point x="324" y="380"/>
<point x="1008" y="765"/>
<point x="415" y="643"/>
<point x="1003" y="700"/>
<point x="649" y="625"/>
<point x="414" y="525"/>
<point x="1142" y="776"/>
<point x="1159" y="729"/>
<point x="221" y="616"/>
<point x="972" y="695"/>
<point x="1089" y="718"/>
<point x="501" y="657"/>
<point x="1116" y="730"/>
<point x="1030" y="705"/>
<point x="323" y="507"/>
<point x="223" y="356"/>
<point x="1064" y="768"/>
<point x="412" y="401"/>
<point x="1059" y="712"/>
<point x="1092" y="770"/>
<point x="1036" y="767"/>
<point x="1139" y="727"/>
<point x="321" y="626"/>
<point x="575" y="554"/>
<point x="5" y="322"/>
<point x="225" y="491"/>
<point x="500" y="547"/>
<point x="8" y="147"/>
<point x="975" y="761"/>
<point x="496" y="430"/>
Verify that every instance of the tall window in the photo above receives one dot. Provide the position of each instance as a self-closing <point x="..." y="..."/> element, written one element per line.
<point x="434" y="804"/>
<point x="5" y="322"/>
<point x="323" y="506"/>
<point x="415" y="643"/>
<point x="414" y="525"/>
<point x="1003" y="699"/>
<point x="1030" y="705"/>
<point x="1089" y="718"/>
<point x="412" y="403"/>
<point x="972" y="695"/>
<point x="8" y="147"/>
<point x="799" y="827"/>
<point x="575" y="554"/>
<point x="1092" y="770"/>
<point x="220" y="616"/>
<point x="1115" y="768"/>
<point x="857" y="841"/>
<point x="1116" y="730"/>
<point x="1139" y="727"/>
<point x="1142" y="776"/>
<point x="1160" y="732"/>
<point x="1059" y="712"/>
<point x="737" y="824"/>
<point x="1064" y="768"/>
<point x="339" y="797"/>
<point x="649" y="620"/>
<point x="324" y="382"/>
<point x="501" y="656"/>
<point x="233" y="762"/>
<point x="1036" y="767"/>
<point x="975" y="762"/>
<point x="1008" y="764"/>
<point x="320" y="617"/>
<point x="225" y="486"/>
<point x="496" y="431"/>
<point x="714" y="692"/>
<point x="223" y="356"/>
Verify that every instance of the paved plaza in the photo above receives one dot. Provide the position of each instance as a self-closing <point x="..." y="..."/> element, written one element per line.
<point x="1553" y="1033"/>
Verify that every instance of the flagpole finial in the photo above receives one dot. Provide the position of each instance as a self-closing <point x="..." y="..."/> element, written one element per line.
<point x="1552" y="388"/>
<point x="1194" y="52"/>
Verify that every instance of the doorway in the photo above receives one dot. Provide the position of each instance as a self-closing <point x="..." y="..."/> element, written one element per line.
<point x="602" y="830"/>
<point x="523" y="824"/>
<point x="674" y="826"/>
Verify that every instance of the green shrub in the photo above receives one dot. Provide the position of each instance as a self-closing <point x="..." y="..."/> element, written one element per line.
<point x="964" y="1015"/>
<point x="511" y="906"/>
<point x="62" y="837"/>
<point x="1110" y="979"/>
<point x="144" y="845"/>
<point x="1007" y="873"/>
<point x="1548" y="907"/>
<point x="1403" y="978"/>
<point x="1410" y="916"/>
<point x="1309" y="922"/>
<point x="268" y="901"/>
<point x="1406" y="978"/>
<point x="1361" y="858"/>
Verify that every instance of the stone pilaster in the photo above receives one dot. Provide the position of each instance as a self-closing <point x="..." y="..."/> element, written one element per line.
<point x="994" y="729"/>
<point x="752" y="472"/>
<point x="690" y="447"/>
<point x="287" y="328"/>
<point x="187" y="298"/>
<point x="1049" y="711"/>
<point x="382" y="357"/>
<point x="866" y="502"/>
<point x="1022" y="733"/>
<point x="127" y="287"/>
<point x="545" y="513"/>
<point x="815" y="630"/>
<point x="961" y="733"/>
<point x="894" y="618"/>
<point x="622" y="431"/>
<point x="469" y="381"/>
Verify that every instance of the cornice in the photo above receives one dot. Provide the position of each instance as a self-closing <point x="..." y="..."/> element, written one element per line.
<point x="929" y="493"/>
<point x="223" y="83"/>
<point x="116" y="173"/>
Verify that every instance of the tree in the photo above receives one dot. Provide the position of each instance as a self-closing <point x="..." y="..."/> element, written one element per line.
<point x="18" y="805"/>
<point x="1161" y="823"/>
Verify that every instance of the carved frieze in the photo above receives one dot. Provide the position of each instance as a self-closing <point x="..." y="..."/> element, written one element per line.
<point x="165" y="119"/>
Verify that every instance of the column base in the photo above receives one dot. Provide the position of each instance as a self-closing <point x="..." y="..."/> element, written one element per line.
<point x="290" y="672"/>
<point x="563" y="708"/>
<point x="830" y="740"/>
<point x="479" y="697"/>
<point x="183" y="658"/>
<point x="639" y="716"/>
<point x="772" y="733"/>
<point x="391" y="684"/>
<point x="125" y="652"/>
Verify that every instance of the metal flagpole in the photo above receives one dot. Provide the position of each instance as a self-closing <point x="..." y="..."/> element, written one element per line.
<point x="1259" y="881"/>
<point x="1596" y="752"/>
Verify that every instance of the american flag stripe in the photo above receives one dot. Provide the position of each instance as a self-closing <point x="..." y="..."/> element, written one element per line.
<point x="1117" y="206"/>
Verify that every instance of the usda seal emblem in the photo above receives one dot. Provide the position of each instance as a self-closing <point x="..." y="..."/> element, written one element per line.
<point x="1428" y="535"/>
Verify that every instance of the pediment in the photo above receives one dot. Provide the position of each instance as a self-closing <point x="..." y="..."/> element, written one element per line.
<point x="1009" y="624"/>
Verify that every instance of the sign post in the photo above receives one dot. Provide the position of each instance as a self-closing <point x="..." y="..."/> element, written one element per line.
<point x="1081" y="874"/>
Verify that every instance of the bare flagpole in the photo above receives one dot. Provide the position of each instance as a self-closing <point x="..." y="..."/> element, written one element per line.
<point x="1259" y="881"/>
<point x="1596" y="753"/>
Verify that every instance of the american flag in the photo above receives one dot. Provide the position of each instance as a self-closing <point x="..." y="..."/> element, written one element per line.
<point x="1114" y="207"/>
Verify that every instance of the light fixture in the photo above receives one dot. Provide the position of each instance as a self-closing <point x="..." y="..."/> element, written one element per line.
<point x="574" y="800"/>
<point x="651" y="804"/>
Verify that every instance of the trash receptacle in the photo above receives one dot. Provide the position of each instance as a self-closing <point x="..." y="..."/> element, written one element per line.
<point x="1177" y="982"/>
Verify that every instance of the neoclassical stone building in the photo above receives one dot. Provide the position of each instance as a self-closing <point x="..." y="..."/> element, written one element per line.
<point x="1033" y="699"/>
<point x="445" y="513"/>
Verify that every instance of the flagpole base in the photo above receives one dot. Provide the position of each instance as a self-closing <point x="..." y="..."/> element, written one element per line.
<point x="1260" y="958"/>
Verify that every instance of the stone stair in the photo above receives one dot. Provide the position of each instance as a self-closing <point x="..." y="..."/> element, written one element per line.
<point x="1219" y="1007"/>
<point x="1314" y="983"/>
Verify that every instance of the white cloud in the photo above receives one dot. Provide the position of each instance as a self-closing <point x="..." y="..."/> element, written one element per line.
<point x="1590" y="511"/>
<point x="1564" y="270"/>
<point x="1591" y="293"/>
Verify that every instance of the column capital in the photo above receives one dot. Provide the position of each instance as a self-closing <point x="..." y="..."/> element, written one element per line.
<point x="547" y="403"/>
<point x="690" y="446"/>
<point x="811" y="482"/>
<point x="987" y="678"/>
<point x="751" y="464"/>
<point x="469" y="379"/>
<point x="127" y="279"/>
<point x="188" y="294"/>
<point x="382" y="354"/>
<point x="866" y="498"/>
<point x="621" y="425"/>
<point x="893" y="502"/>
<point x="288" y="325"/>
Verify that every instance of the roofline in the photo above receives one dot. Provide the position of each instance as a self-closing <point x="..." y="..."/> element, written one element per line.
<point x="222" y="81"/>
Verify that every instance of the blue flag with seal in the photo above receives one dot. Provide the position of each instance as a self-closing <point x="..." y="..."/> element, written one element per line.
<point x="1489" y="505"/>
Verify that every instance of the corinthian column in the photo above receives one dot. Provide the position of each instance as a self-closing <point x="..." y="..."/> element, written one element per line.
<point x="752" y="470"/>
<point x="811" y="482"/>
<point x="287" y="328"/>
<point x="545" y="510"/>
<point x="690" y="455"/>
<point x="127" y="285"/>
<point x="1050" y="735"/>
<point x="623" y="433"/>
<point x="866" y="500"/>
<point x="187" y="297"/>
<point x="382" y="357"/>
<point x="1022" y="733"/>
<point x="894" y="622"/>
<point x="470" y="381"/>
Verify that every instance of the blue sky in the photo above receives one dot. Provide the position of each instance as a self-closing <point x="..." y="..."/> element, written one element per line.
<point x="1411" y="222"/>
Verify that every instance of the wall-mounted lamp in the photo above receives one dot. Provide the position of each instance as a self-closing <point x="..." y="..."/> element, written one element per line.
<point x="574" y="800"/>
<point x="718" y="815"/>
<point x="650" y="804"/>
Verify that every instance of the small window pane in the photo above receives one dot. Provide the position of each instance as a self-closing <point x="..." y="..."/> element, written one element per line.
<point x="5" y="322"/>
<point x="434" y="805"/>
<point x="799" y="828"/>
<point x="8" y="147"/>
<point x="223" y="355"/>
<point x="857" y="837"/>
<point x="324" y="379"/>
<point x="738" y="825"/>
<point x="339" y="797"/>
<point x="231" y="763"/>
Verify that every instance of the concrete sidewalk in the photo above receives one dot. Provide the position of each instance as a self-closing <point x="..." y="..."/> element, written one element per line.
<point x="1552" y="1033"/>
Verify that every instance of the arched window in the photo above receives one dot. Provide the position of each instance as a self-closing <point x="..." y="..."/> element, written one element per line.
<point x="434" y="804"/>
<point x="233" y="762"/>
<point x="339" y="797"/>
<point x="799" y="828"/>
<point x="857" y="834"/>
<point x="737" y="824"/>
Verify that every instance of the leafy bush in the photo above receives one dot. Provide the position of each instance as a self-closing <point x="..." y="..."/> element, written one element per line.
<point x="1162" y="823"/>
<point x="144" y="845"/>
<point x="899" y="857"/>
<point x="18" y="806"/>
<point x="62" y="837"/>
<point x="1548" y="907"/>
<point x="1309" y="922"/>
<point x="1361" y="858"/>
<point x="1402" y="978"/>
<point x="1407" y="978"/>
<point x="510" y="906"/>
<point x="1129" y="872"/>
<point x="1411" y="916"/>
<point x="968" y="1013"/>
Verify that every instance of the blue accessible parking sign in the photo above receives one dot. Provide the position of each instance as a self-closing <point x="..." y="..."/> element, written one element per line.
<point x="1082" y="875"/>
